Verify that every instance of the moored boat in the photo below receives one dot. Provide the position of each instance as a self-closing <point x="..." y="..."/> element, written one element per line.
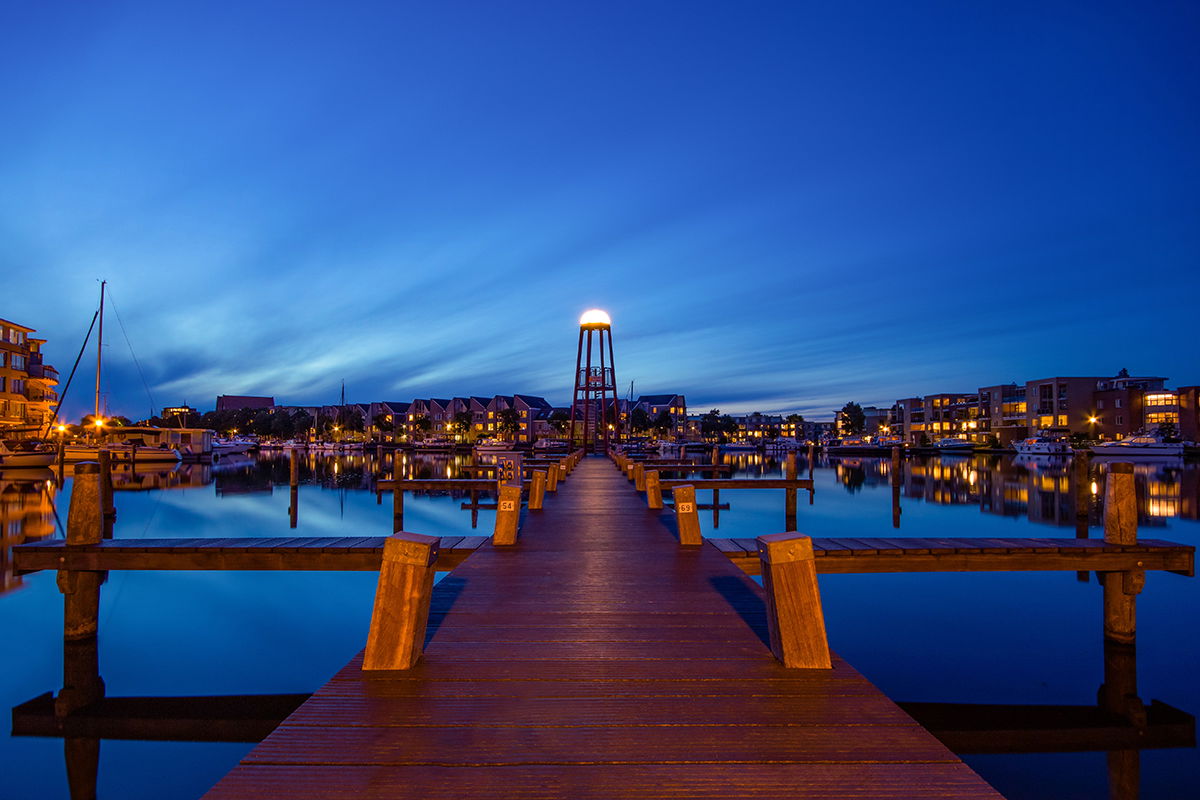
<point x="1043" y="444"/>
<point x="954" y="444"/>
<point x="1140" y="445"/>
<point x="25" y="454"/>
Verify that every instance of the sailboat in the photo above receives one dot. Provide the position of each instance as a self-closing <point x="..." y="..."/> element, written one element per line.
<point x="123" y="451"/>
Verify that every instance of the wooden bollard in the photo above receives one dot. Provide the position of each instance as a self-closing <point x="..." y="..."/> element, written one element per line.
<point x="716" y="454"/>
<point x="397" y="506"/>
<point x="562" y="472"/>
<point x="508" y="515"/>
<point x="1120" y="505"/>
<point x="537" y="490"/>
<point x="653" y="489"/>
<point x="397" y="634"/>
<point x="294" y="468"/>
<point x="795" y="621"/>
<point x="85" y="517"/>
<point x="639" y="477"/>
<point x="789" y="494"/>
<point x="82" y="684"/>
<point x="1083" y="485"/>
<point x="896" y="464"/>
<point x="687" y="518"/>
<point x="1120" y="527"/>
<point x="552" y="478"/>
<point x="107" y="504"/>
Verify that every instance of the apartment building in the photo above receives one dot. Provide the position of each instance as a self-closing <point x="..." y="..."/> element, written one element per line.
<point x="1100" y="408"/>
<point x="28" y="397"/>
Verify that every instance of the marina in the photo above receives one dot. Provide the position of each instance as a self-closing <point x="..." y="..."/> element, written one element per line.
<point x="350" y="478"/>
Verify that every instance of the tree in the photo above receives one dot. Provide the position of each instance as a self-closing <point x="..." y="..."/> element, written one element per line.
<point x="663" y="423"/>
<point x="302" y="421"/>
<point x="282" y="425"/>
<point x="261" y="424"/>
<point x="559" y="420"/>
<point x="461" y="422"/>
<point x="727" y="426"/>
<point x="422" y="424"/>
<point x="1168" y="431"/>
<point x="1124" y="373"/>
<point x="508" y="422"/>
<point x="710" y="424"/>
<point x="853" y="418"/>
<point x="639" y="420"/>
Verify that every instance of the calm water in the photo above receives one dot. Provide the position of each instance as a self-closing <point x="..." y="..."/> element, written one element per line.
<point x="1000" y="638"/>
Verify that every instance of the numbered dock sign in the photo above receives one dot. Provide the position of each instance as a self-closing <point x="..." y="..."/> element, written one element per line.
<point x="510" y="469"/>
<point x="687" y="508"/>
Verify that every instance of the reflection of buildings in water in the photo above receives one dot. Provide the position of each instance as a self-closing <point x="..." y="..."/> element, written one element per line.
<point x="1044" y="489"/>
<point x="164" y="476"/>
<point x="26" y="514"/>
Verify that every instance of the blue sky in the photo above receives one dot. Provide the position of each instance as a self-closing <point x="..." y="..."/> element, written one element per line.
<point x="784" y="206"/>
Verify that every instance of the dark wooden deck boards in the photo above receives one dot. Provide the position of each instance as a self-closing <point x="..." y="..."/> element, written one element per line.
<point x="565" y="668"/>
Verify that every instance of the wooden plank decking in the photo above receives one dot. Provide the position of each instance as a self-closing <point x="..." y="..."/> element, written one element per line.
<point x="563" y="668"/>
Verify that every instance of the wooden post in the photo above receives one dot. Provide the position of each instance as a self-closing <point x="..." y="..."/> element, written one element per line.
<point x="653" y="489"/>
<point x="896" y="463"/>
<point x="552" y="478"/>
<point x="1083" y="485"/>
<point x="1120" y="527"/>
<point x="789" y="495"/>
<point x="687" y="518"/>
<point x="402" y="596"/>
<point x="106" y="485"/>
<point x="82" y="684"/>
<point x="895" y="504"/>
<point x="537" y="490"/>
<point x="795" y="620"/>
<point x="397" y="505"/>
<point x="508" y="515"/>
<point x="639" y="477"/>
<point x="85" y="517"/>
<point x="812" y="459"/>
<point x="716" y="509"/>
<point x="716" y="454"/>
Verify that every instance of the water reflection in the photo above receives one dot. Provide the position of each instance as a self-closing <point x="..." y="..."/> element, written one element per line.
<point x="1046" y="491"/>
<point x="27" y="514"/>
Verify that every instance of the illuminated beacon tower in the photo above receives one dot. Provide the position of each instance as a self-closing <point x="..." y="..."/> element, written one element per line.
<point x="591" y="381"/>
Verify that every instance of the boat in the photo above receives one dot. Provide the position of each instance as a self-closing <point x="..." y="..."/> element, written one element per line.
<point x="1139" y="445"/>
<point x="121" y="452"/>
<point x="739" y="447"/>
<point x="222" y="447"/>
<point x="438" y="445"/>
<point x="1044" y="444"/>
<point x="493" y="445"/>
<point x="954" y="444"/>
<point x="25" y="454"/>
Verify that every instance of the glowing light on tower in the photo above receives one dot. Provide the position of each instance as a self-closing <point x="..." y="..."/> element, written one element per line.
<point x="591" y="381"/>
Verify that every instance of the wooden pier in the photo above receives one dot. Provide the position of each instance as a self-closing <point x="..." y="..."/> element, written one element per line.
<point x="597" y="657"/>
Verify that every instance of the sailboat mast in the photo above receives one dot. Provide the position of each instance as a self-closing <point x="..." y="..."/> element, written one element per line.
<point x="99" y="350"/>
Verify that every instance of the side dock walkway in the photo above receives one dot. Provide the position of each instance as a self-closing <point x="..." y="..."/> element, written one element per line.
<point x="563" y="668"/>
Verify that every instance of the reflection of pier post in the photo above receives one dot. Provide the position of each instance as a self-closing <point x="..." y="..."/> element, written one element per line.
<point x="812" y="459"/>
<point x="107" y="504"/>
<point x="82" y="684"/>
<point x="294" y="488"/>
<point x="1119" y="694"/>
<point x="897" y="474"/>
<point x="1083" y="502"/>
<point x="789" y="508"/>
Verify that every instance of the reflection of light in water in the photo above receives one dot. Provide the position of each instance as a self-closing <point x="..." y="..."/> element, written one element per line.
<point x="1095" y="488"/>
<point x="972" y="477"/>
